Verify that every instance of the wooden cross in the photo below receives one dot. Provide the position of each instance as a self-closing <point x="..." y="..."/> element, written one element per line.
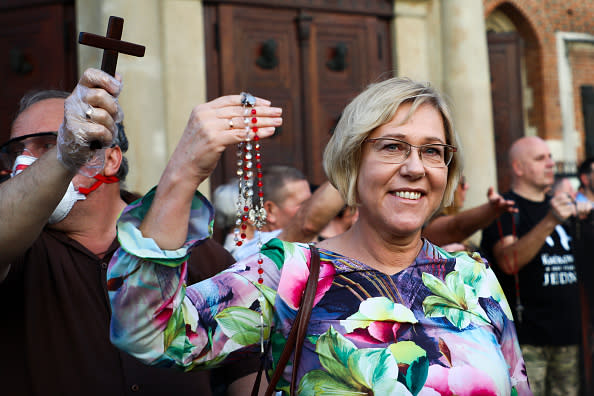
<point x="111" y="44"/>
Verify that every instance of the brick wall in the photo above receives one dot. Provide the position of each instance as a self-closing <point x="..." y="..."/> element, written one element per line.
<point x="537" y="21"/>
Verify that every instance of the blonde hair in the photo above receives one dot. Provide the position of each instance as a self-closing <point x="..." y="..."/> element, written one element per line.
<point x="372" y="108"/>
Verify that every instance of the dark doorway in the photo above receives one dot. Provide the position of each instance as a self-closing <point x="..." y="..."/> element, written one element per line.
<point x="310" y="60"/>
<point x="38" y="51"/>
<point x="587" y="94"/>
<point x="506" y="95"/>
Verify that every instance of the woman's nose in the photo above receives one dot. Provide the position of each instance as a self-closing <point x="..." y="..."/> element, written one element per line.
<point x="413" y="164"/>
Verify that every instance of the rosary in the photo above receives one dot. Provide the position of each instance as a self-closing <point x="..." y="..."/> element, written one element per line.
<point x="250" y="206"/>
<point x="519" y="306"/>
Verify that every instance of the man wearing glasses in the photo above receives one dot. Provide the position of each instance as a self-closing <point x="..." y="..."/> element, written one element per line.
<point x="59" y="203"/>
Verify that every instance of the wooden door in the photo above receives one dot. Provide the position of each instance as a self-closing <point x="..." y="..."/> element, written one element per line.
<point x="38" y="51"/>
<point x="506" y="95"/>
<point x="342" y="55"/>
<point x="309" y="61"/>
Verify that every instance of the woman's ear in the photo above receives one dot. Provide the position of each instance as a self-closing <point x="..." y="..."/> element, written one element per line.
<point x="113" y="160"/>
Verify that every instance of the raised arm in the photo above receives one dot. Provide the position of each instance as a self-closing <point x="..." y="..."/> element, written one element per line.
<point x="314" y="214"/>
<point x="512" y="254"/>
<point x="28" y="199"/>
<point x="447" y="229"/>
<point x="205" y="137"/>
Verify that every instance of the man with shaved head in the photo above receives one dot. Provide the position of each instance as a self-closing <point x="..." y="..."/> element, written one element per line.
<point x="532" y="250"/>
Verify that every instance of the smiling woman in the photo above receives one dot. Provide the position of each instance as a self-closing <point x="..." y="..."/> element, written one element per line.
<point x="393" y="314"/>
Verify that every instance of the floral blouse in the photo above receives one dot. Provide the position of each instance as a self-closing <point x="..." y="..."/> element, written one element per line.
<point x="442" y="326"/>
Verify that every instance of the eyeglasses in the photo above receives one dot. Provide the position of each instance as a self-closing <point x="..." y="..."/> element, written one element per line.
<point x="394" y="151"/>
<point x="36" y="144"/>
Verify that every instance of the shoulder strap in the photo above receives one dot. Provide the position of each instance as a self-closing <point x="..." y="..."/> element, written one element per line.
<point x="298" y="331"/>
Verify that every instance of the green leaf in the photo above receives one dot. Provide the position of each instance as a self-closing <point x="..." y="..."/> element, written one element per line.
<point x="275" y="251"/>
<point x="471" y="271"/>
<point x="438" y="288"/>
<point x="406" y="352"/>
<point x="373" y="366"/>
<point x="438" y="303"/>
<point x="321" y="383"/>
<point x="416" y="375"/>
<point x="456" y="286"/>
<point x="334" y="350"/>
<point x="175" y="328"/>
<point x="241" y="325"/>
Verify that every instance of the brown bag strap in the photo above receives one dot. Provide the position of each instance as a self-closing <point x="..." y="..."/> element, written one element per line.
<point x="298" y="331"/>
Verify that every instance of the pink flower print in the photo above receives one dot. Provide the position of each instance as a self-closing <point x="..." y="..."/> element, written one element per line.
<point x="377" y="321"/>
<point x="469" y="381"/>
<point x="437" y="379"/>
<point x="460" y="381"/>
<point x="294" y="277"/>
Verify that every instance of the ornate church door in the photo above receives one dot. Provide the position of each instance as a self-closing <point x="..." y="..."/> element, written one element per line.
<point x="310" y="60"/>
<point x="506" y="96"/>
<point x="37" y="47"/>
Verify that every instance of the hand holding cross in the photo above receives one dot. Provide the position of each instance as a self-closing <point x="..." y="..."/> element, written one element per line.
<point x="112" y="45"/>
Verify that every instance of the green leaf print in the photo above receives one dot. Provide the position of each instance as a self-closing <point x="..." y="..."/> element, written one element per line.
<point x="454" y="300"/>
<point x="352" y="371"/>
<point x="241" y="325"/>
<point x="175" y="333"/>
<point x="378" y="309"/>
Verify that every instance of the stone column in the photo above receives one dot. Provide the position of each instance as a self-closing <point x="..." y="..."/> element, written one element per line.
<point x="184" y="67"/>
<point x="417" y="48"/>
<point x="161" y="88"/>
<point x="466" y="81"/>
<point x="142" y="95"/>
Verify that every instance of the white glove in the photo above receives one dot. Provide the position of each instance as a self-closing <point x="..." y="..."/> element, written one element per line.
<point x="90" y="117"/>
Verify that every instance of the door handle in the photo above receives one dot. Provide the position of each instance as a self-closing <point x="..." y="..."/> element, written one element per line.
<point x="268" y="59"/>
<point x="18" y="63"/>
<point x="338" y="61"/>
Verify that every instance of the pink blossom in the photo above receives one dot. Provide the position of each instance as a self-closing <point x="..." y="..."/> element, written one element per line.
<point x="294" y="278"/>
<point x="460" y="381"/>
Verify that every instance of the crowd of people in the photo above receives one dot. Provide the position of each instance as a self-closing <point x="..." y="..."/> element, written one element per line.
<point x="112" y="292"/>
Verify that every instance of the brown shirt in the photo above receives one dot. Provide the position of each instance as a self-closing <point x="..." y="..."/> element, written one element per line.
<point x="54" y="336"/>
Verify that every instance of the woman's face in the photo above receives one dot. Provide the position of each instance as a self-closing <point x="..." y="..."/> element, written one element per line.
<point x="400" y="198"/>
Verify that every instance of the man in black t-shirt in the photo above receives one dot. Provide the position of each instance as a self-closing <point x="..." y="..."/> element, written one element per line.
<point x="535" y="262"/>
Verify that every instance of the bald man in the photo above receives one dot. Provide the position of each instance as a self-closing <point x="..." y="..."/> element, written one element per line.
<point x="536" y="244"/>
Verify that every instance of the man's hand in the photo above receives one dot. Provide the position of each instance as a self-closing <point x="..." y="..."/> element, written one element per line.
<point x="499" y="204"/>
<point x="583" y="209"/>
<point x="562" y="207"/>
<point x="90" y="115"/>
